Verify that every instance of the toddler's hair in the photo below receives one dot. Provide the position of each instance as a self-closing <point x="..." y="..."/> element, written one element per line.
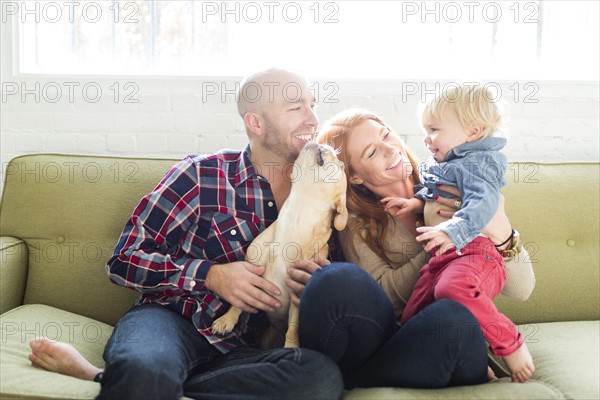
<point x="473" y="103"/>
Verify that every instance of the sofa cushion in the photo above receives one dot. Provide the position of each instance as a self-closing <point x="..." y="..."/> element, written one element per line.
<point x="566" y="355"/>
<point x="501" y="389"/>
<point x="566" y="358"/>
<point x="20" y="380"/>
<point x="556" y="209"/>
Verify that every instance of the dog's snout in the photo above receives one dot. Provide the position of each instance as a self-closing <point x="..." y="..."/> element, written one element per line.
<point x="320" y="160"/>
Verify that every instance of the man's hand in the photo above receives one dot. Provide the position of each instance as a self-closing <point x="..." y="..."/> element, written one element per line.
<point x="437" y="239"/>
<point x="241" y="284"/>
<point x="300" y="273"/>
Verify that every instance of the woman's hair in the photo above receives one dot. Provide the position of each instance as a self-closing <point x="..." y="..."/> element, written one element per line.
<point x="473" y="103"/>
<point x="361" y="201"/>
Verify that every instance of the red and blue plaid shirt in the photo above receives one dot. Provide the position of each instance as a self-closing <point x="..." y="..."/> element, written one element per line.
<point x="207" y="209"/>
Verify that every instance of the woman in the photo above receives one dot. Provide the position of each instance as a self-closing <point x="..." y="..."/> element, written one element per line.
<point x="443" y="345"/>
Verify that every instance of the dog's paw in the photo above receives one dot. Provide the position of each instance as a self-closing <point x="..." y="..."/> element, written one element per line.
<point x="291" y="344"/>
<point x="222" y="326"/>
<point x="291" y="341"/>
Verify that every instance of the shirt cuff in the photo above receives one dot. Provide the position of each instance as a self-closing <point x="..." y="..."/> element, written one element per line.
<point x="193" y="278"/>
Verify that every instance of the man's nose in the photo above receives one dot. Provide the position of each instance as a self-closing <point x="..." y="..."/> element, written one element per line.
<point x="311" y="118"/>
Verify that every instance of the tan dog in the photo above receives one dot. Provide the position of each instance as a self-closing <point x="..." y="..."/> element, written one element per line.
<point x="301" y="231"/>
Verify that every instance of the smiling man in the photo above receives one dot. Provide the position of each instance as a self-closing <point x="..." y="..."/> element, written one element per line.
<point x="183" y="250"/>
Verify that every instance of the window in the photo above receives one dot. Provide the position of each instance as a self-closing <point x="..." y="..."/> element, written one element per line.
<point x="343" y="39"/>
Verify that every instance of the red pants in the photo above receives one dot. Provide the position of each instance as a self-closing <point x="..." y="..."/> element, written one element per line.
<point x="472" y="279"/>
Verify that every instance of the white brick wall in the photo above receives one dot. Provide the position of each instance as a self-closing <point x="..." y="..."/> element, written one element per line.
<point x="558" y="121"/>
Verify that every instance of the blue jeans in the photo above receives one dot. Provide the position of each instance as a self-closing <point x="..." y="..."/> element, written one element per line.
<point x="155" y="353"/>
<point x="346" y="315"/>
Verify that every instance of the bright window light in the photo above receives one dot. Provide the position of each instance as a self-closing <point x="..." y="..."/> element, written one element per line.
<point x="556" y="40"/>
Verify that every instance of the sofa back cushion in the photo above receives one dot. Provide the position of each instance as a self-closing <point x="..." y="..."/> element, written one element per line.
<point x="556" y="208"/>
<point x="71" y="209"/>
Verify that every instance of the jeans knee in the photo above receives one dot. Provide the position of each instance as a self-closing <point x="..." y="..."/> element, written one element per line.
<point x="450" y="310"/>
<point x="136" y="378"/>
<point x="341" y="279"/>
<point x="457" y="321"/>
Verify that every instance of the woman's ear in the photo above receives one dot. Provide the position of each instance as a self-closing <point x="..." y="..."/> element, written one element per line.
<point x="253" y="123"/>
<point x="355" y="180"/>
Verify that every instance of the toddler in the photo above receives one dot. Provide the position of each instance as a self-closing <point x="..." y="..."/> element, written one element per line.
<point x="460" y="124"/>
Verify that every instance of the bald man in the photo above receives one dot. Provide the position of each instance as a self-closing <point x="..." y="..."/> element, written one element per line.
<point x="183" y="249"/>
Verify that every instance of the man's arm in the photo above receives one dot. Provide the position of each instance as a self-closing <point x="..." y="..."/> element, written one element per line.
<point x="148" y="256"/>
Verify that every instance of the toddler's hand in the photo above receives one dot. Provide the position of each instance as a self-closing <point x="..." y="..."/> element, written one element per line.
<point x="437" y="239"/>
<point x="404" y="206"/>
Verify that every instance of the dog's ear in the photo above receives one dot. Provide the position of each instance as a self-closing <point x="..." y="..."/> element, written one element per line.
<point x="341" y="218"/>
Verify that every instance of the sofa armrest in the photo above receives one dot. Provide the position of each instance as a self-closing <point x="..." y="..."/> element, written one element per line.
<point x="13" y="272"/>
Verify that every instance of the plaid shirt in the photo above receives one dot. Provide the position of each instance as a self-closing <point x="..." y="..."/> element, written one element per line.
<point x="207" y="209"/>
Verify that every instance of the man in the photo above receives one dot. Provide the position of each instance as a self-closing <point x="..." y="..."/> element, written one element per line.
<point x="183" y="249"/>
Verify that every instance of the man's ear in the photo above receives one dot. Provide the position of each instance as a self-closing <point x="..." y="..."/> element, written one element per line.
<point x="475" y="131"/>
<point x="254" y="123"/>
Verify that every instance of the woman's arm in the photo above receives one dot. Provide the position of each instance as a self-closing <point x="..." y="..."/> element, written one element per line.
<point x="520" y="279"/>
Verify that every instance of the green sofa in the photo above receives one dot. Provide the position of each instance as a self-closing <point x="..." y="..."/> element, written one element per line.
<point x="61" y="215"/>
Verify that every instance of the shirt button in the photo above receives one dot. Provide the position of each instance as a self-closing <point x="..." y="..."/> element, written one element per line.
<point x="270" y="204"/>
<point x="233" y="232"/>
<point x="192" y="284"/>
<point x="571" y="243"/>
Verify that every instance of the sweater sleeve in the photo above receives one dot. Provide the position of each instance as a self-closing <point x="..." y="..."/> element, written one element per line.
<point x="520" y="279"/>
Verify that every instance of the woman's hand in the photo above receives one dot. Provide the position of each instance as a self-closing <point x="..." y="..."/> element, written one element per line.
<point x="452" y="203"/>
<point x="299" y="273"/>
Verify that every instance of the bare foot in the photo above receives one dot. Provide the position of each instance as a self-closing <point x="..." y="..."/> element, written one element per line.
<point x="520" y="364"/>
<point x="62" y="358"/>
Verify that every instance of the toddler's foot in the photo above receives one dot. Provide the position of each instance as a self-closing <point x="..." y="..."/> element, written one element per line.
<point x="520" y="364"/>
<point x="62" y="358"/>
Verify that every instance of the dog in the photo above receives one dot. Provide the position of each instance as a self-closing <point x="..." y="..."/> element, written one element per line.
<point x="301" y="231"/>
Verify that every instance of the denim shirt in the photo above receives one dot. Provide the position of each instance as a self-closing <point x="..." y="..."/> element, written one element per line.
<point x="477" y="169"/>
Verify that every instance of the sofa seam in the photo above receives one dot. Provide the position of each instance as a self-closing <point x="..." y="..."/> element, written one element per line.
<point x="20" y="242"/>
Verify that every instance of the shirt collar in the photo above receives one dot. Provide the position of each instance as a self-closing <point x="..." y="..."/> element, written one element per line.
<point x="245" y="168"/>
<point x="486" y="144"/>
